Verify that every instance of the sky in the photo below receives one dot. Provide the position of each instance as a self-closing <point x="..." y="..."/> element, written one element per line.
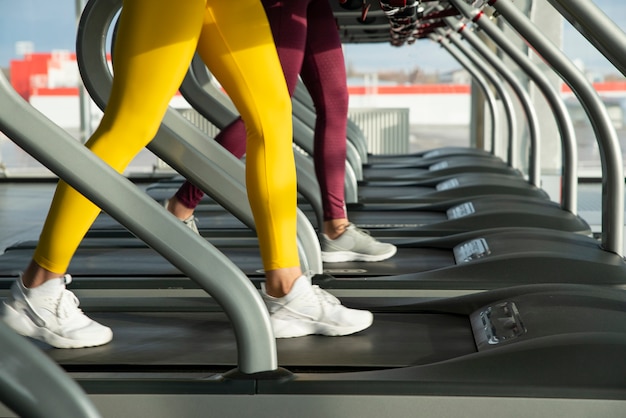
<point x="51" y="24"/>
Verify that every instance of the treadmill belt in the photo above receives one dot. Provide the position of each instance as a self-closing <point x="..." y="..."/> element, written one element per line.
<point x="131" y="257"/>
<point x="212" y="218"/>
<point x="205" y="339"/>
<point x="208" y="216"/>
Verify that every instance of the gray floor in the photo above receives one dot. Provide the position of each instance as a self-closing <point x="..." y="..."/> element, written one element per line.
<point x="23" y="207"/>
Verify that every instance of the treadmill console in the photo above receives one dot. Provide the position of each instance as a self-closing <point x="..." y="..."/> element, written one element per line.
<point x="471" y="250"/>
<point x="447" y="185"/>
<point x="496" y="324"/>
<point x="439" y="166"/>
<point x="461" y="211"/>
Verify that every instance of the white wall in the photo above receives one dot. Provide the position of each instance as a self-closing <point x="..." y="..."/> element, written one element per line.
<point x="64" y="110"/>
<point x="424" y="109"/>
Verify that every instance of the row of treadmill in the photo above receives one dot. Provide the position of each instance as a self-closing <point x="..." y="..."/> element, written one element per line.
<point x="499" y="300"/>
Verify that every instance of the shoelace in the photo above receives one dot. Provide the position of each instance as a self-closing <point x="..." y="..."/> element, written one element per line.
<point x="365" y="234"/>
<point x="67" y="305"/>
<point x="325" y="296"/>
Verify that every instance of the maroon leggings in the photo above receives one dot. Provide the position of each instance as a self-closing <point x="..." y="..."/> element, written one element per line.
<point x="308" y="45"/>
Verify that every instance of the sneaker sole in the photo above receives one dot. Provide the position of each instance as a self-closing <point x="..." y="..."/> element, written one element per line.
<point x="288" y="329"/>
<point x="25" y="327"/>
<point x="345" y="256"/>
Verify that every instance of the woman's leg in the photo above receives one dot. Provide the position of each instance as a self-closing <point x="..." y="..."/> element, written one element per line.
<point x="155" y="43"/>
<point x="296" y="307"/>
<point x="242" y="56"/>
<point x="308" y="45"/>
<point x="188" y="196"/>
<point x="324" y="74"/>
<point x="287" y="21"/>
<point x="156" y="40"/>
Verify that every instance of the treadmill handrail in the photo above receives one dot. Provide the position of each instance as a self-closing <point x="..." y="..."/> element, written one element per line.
<point x="563" y="120"/>
<point x="32" y="385"/>
<point x="599" y="29"/>
<point x="532" y="120"/>
<point x="608" y="143"/>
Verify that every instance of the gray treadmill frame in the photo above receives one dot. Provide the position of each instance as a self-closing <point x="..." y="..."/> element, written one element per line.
<point x="597" y="27"/>
<point x="498" y="85"/>
<point x="608" y="143"/>
<point x="34" y="386"/>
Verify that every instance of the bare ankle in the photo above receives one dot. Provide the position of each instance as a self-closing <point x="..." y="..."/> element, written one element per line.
<point x="334" y="228"/>
<point x="280" y="281"/>
<point x="34" y="275"/>
<point x="175" y="207"/>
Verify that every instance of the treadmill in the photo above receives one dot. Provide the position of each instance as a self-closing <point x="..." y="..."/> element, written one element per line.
<point x="506" y="352"/>
<point x="468" y="262"/>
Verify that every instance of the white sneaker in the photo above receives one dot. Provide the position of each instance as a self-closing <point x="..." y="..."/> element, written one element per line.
<point x="308" y="310"/>
<point x="355" y="244"/>
<point x="50" y="313"/>
<point x="192" y="224"/>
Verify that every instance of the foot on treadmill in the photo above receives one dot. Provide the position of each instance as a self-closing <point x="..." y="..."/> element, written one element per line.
<point x="50" y="313"/>
<point x="355" y="245"/>
<point x="309" y="310"/>
<point x="192" y="224"/>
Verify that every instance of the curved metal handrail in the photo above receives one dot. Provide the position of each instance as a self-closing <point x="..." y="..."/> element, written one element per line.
<point x="608" y="143"/>
<point x="569" y="199"/>
<point x="32" y="385"/>
<point x="529" y="110"/>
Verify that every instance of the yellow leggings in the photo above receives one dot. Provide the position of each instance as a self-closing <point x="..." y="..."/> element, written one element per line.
<point x="155" y="43"/>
